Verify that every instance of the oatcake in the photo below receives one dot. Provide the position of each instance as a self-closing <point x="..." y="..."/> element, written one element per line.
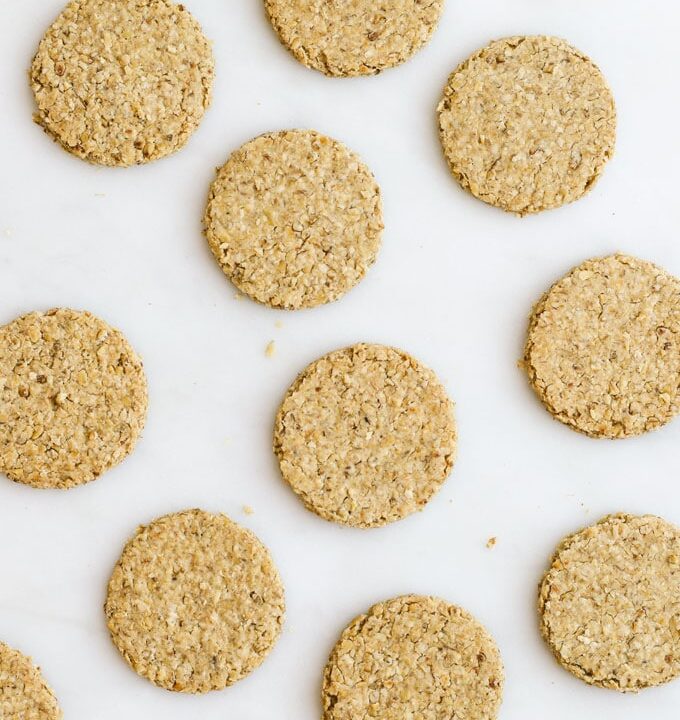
<point x="294" y="219"/>
<point x="365" y="435"/>
<point x="527" y="124"/>
<point x="610" y="603"/>
<point x="120" y="82"/>
<point x="602" y="349"/>
<point x="73" y="398"/>
<point x="353" y="38"/>
<point x="195" y="602"/>
<point x="24" y="694"/>
<point x="413" y="657"/>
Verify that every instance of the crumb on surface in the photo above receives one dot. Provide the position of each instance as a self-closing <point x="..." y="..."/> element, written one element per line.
<point x="491" y="543"/>
<point x="270" y="350"/>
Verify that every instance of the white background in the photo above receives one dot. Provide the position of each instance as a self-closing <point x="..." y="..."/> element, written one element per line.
<point x="453" y="285"/>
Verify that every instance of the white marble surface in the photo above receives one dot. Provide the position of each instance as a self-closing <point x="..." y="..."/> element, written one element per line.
<point x="453" y="285"/>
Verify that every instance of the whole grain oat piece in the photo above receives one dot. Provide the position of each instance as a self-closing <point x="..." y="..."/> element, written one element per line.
<point x="610" y="603"/>
<point x="73" y="398"/>
<point x="294" y="219"/>
<point x="24" y="694"/>
<point x="527" y="124"/>
<point x="353" y="37"/>
<point x="195" y="602"/>
<point x="365" y="436"/>
<point x="603" y="347"/>
<point x="120" y="82"/>
<point x="415" y="657"/>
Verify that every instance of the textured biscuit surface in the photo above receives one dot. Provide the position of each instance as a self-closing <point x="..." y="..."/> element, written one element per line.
<point x="24" y="694"/>
<point x="73" y="398"/>
<point x="353" y="37"/>
<point x="119" y="82"/>
<point x="610" y="603"/>
<point x="527" y="124"/>
<point x="603" y="347"/>
<point x="195" y="602"/>
<point x="365" y="435"/>
<point x="294" y="219"/>
<point x="413" y="657"/>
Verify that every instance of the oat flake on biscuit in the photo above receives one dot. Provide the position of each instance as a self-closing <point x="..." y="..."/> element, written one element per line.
<point x="73" y="398"/>
<point x="365" y="436"/>
<point x="24" y="694"/>
<point x="294" y="219"/>
<point x="353" y="37"/>
<point x="122" y="82"/>
<point x="195" y="602"/>
<point x="527" y="124"/>
<point x="610" y="603"/>
<point x="603" y="348"/>
<point x="413" y="657"/>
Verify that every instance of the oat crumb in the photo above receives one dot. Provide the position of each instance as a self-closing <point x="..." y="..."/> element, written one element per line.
<point x="491" y="543"/>
<point x="270" y="350"/>
<point x="247" y="510"/>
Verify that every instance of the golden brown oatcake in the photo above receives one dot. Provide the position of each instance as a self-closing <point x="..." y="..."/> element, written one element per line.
<point x="610" y="603"/>
<point x="365" y="436"/>
<point x="413" y="657"/>
<point x="294" y="219"/>
<point x="603" y="348"/>
<point x="119" y="82"/>
<point x="24" y="694"/>
<point x="195" y="602"/>
<point x="72" y="398"/>
<point x="353" y="37"/>
<point x="527" y="124"/>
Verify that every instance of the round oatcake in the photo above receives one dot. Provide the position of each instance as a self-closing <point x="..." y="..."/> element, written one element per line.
<point x="24" y="694"/>
<point x="610" y="603"/>
<point x="527" y="124"/>
<point x="413" y="657"/>
<point x="365" y="436"/>
<point x="353" y="37"/>
<point x="195" y="602"/>
<point x="72" y="398"/>
<point x="294" y="219"/>
<point x="120" y="82"/>
<point x="603" y="347"/>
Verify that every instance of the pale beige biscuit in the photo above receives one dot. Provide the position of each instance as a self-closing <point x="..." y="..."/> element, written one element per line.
<point x="353" y="37"/>
<point x="610" y="603"/>
<point x="365" y="435"/>
<point x="24" y="694"/>
<point x="413" y="657"/>
<point x="527" y="124"/>
<point x="603" y="347"/>
<point x="195" y="602"/>
<point x="73" y="398"/>
<point x="119" y="82"/>
<point x="294" y="219"/>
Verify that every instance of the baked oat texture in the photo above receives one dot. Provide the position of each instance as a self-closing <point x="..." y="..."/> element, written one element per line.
<point x="73" y="398"/>
<point x="195" y="602"/>
<point x="121" y="82"/>
<point x="610" y="603"/>
<point x="294" y="219"/>
<point x="527" y="124"/>
<point x="343" y="38"/>
<point x="24" y="694"/>
<point x="413" y="657"/>
<point x="365" y="436"/>
<point x="603" y="347"/>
